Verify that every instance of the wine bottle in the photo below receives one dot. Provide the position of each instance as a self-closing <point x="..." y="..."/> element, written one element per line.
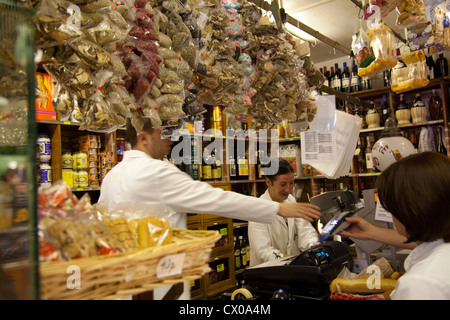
<point x="243" y="251"/>
<point x="442" y="65"/>
<point x="206" y="168"/>
<point x="385" y="111"/>
<point x="368" y="155"/>
<point x="435" y="106"/>
<point x="441" y="145"/>
<point x="216" y="168"/>
<point x="332" y="78"/>
<point x="242" y="166"/>
<point x="237" y="254"/>
<point x="430" y="67"/>
<point x="413" y="139"/>
<point x="355" y="82"/>
<point x="337" y="78"/>
<point x="387" y="78"/>
<point x="326" y="73"/>
<point x="346" y="78"/>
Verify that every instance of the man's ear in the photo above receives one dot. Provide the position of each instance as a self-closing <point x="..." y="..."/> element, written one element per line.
<point x="268" y="183"/>
<point x="143" y="137"/>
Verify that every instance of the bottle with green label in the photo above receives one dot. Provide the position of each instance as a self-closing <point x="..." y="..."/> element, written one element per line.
<point x="237" y="254"/>
<point x="243" y="252"/>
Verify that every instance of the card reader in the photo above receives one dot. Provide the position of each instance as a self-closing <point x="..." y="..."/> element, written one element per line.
<point x="335" y="207"/>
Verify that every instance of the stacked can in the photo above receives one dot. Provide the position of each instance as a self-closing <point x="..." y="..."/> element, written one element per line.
<point x="107" y="162"/>
<point x="91" y="144"/>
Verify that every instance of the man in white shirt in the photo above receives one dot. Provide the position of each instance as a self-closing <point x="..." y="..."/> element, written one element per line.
<point x="143" y="178"/>
<point x="284" y="236"/>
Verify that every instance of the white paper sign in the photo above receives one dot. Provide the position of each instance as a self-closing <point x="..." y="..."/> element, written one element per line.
<point x="170" y="265"/>
<point x="325" y="118"/>
<point x="318" y="147"/>
<point x="381" y="214"/>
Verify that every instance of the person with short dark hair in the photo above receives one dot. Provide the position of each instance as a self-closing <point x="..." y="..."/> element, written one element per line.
<point x="415" y="190"/>
<point x="284" y="236"/>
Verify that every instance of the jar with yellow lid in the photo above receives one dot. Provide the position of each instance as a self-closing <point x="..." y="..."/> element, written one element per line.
<point x="82" y="160"/>
<point x="83" y="181"/>
<point x="67" y="160"/>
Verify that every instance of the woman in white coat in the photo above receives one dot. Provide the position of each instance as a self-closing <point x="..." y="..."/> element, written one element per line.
<point x="284" y="236"/>
<point x="143" y="178"/>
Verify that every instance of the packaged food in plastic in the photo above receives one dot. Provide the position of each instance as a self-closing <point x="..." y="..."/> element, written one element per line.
<point x="52" y="27"/>
<point x="382" y="42"/>
<point x="172" y="112"/>
<point x="96" y="5"/>
<point x="62" y="101"/>
<point x="173" y="87"/>
<point x="96" y="114"/>
<point x="148" y="225"/>
<point x="420" y="36"/>
<point x="74" y="76"/>
<point x="413" y="76"/>
<point x="91" y="54"/>
<point x="361" y="49"/>
<point x="410" y="12"/>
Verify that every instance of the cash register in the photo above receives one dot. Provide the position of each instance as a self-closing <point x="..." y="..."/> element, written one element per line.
<point x="308" y="275"/>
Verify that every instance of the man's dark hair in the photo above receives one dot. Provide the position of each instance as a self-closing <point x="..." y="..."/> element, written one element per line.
<point x="284" y="166"/>
<point x="132" y="133"/>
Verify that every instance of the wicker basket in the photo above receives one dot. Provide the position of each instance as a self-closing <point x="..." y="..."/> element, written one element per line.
<point x="118" y="275"/>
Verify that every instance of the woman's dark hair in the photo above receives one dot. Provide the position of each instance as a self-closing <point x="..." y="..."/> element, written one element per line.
<point x="415" y="190"/>
<point x="284" y="166"/>
<point x="131" y="131"/>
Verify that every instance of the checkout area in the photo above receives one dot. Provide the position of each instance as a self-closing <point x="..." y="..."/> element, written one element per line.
<point x="308" y="275"/>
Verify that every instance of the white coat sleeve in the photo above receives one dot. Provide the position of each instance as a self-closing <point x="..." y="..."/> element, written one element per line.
<point x="179" y="191"/>
<point x="307" y="235"/>
<point x="260" y="244"/>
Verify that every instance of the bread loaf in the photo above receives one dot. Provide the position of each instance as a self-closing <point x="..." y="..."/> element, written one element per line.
<point x="383" y="264"/>
<point x="362" y="285"/>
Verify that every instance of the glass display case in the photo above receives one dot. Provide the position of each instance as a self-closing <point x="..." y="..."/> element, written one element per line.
<point x="18" y="195"/>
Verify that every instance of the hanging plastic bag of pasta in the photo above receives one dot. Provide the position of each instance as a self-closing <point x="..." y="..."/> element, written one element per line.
<point x="382" y="43"/>
<point x="413" y="76"/>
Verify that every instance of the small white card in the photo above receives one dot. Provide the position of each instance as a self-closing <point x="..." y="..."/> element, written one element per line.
<point x="381" y="214"/>
<point x="170" y="265"/>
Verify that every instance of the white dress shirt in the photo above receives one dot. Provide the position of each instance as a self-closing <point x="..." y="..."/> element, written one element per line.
<point x="141" y="179"/>
<point x="427" y="275"/>
<point x="281" y="237"/>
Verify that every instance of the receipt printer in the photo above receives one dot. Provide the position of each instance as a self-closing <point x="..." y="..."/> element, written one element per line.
<point x="308" y="274"/>
<point x="335" y="206"/>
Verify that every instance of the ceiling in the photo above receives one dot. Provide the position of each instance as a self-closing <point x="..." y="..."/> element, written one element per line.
<point x="335" y="19"/>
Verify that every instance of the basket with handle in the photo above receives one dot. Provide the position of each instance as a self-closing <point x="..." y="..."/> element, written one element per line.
<point x="123" y="274"/>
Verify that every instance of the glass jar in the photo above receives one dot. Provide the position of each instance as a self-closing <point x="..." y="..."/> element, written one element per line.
<point x="45" y="173"/>
<point x="120" y="148"/>
<point x="83" y="180"/>
<point x="74" y="161"/>
<point x="75" y="178"/>
<point x="44" y="144"/>
<point x="82" y="160"/>
<point x="67" y="160"/>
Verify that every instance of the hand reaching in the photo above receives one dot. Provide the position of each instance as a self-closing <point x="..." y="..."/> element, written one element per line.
<point x="305" y="210"/>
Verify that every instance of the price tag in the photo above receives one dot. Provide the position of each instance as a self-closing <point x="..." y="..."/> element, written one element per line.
<point x="170" y="265"/>
<point x="223" y="231"/>
<point x="220" y="267"/>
